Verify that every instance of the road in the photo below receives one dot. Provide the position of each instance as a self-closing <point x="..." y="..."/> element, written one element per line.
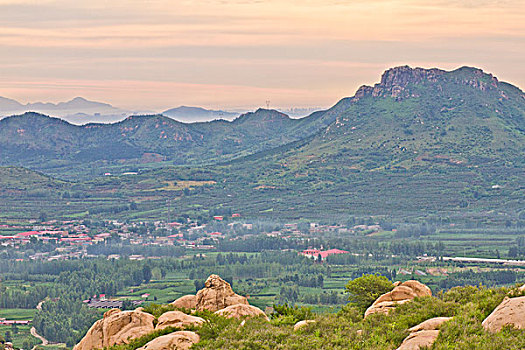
<point x="36" y="335"/>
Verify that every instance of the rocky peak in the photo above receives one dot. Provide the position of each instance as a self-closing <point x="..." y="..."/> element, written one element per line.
<point x="404" y="75"/>
<point x="397" y="82"/>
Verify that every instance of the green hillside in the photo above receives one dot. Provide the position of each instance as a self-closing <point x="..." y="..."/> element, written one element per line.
<point x="419" y="144"/>
<point x="52" y="145"/>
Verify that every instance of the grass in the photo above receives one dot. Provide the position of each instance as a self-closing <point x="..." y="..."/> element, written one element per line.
<point x="17" y="314"/>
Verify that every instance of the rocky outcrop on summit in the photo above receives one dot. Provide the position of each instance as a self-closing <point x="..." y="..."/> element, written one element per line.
<point x="117" y="327"/>
<point x="188" y="302"/>
<point x="177" y="319"/>
<point x="401" y="293"/>
<point x="217" y="294"/>
<point x="398" y="82"/>
<point x="394" y="82"/>
<point x="511" y="312"/>
<point x="424" y="334"/>
<point x="181" y="340"/>
<point x="242" y="310"/>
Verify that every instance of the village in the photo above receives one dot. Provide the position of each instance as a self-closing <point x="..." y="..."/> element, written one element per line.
<point x="62" y="240"/>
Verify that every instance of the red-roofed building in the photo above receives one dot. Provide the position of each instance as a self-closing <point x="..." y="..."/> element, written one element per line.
<point x="218" y="218"/>
<point x="236" y="215"/>
<point x="29" y="234"/>
<point x="322" y="255"/>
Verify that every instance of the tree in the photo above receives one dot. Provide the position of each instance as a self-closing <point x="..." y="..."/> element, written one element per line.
<point x="366" y="289"/>
<point x="146" y="271"/>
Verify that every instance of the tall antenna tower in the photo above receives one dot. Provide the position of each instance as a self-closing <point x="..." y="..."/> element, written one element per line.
<point x="267" y="104"/>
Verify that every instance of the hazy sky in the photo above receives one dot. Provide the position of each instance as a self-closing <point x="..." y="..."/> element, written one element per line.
<point x="218" y="53"/>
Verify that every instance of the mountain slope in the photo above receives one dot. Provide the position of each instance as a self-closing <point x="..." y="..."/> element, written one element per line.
<point x="197" y="114"/>
<point x="42" y="142"/>
<point x="420" y="142"/>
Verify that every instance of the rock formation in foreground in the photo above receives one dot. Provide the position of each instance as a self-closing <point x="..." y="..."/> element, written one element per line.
<point x="241" y="310"/>
<point x="117" y="327"/>
<point x="511" y="312"/>
<point x="177" y="319"/>
<point x="402" y="293"/>
<point x="188" y="302"/>
<point x="217" y="294"/>
<point x="181" y="340"/>
<point x="424" y="334"/>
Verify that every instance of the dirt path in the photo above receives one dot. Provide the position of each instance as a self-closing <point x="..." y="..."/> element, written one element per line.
<point x="36" y="335"/>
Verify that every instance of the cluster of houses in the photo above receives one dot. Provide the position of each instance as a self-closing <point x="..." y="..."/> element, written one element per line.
<point x="72" y="238"/>
<point x="100" y="302"/>
<point x="322" y="255"/>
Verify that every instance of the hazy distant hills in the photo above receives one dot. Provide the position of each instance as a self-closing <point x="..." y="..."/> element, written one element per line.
<point x="76" y="111"/>
<point x="80" y="111"/>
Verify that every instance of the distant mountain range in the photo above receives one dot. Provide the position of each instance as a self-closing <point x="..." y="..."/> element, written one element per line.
<point x="80" y="111"/>
<point x="420" y="140"/>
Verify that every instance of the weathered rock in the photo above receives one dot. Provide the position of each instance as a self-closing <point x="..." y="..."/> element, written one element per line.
<point x="177" y="319"/>
<point x="401" y="293"/>
<point x="419" y="288"/>
<point x="383" y="307"/>
<point x="302" y="324"/>
<point x="430" y="324"/>
<point x="397" y="294"/>
<point x="242" y="310"/>
<point x="117" y="327"/>
<point x="186" y="302"/>
<point x="511" y="311"/>
<point x="420" y="339"/>
<point x="217" y="294"/>
<point x="522" y="288"/>
<point x="181" y="340"/>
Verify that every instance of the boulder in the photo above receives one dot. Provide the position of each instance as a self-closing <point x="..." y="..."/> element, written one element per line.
<point x="522" y="288"/>
<point x="417" y="340"/>
<point x="242" y="310"/>
<point x="302" y="324"/>
<point x="397" y="294"/>
<point x="186" y="302"/>
<point x="383" y="307"/>
<point x="181" y="340"/>
<point x="511" y="311"/>
<point x="430" y="324"/>
<point x="401" y="293"/>
<point x="418" y="288"/>
<point x="117" y="327"/>
<point x="177" y="319"/>
<point x="217" y="294"/>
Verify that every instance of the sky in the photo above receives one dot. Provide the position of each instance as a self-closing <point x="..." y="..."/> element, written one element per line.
<point x="159" y="54"/>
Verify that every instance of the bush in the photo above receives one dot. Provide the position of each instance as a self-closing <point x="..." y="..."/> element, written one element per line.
<point x="366" y="289"/>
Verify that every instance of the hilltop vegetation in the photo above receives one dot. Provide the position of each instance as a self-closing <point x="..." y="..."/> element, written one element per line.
<point x="421" y="143"/>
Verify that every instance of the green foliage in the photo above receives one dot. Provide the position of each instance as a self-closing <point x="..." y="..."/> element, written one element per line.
<point x="363" y="291"/>
<point x="290" y="315"/>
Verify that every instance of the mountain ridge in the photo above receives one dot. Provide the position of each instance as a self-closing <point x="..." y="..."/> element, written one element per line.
<point x="410" y="111"/>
